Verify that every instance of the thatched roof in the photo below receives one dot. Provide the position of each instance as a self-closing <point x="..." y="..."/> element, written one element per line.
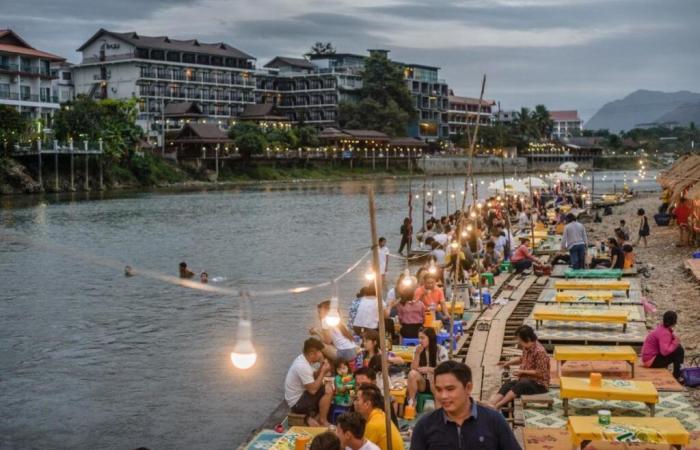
<point x="200" y="133"/>
<point x="682" y="178"/>
<point x="407" y="142"/>
<point x="332" y="133"/>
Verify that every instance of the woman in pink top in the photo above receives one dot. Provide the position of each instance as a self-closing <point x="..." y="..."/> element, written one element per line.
<point x="662" y="348"/>
<point x="411" y="314"/>
<point x="522" y="258"/>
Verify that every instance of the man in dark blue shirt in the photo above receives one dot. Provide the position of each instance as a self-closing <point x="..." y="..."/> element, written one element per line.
<point x="460" y="423"/>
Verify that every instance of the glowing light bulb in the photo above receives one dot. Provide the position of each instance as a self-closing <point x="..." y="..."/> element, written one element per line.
<point x="407" y="278"/>
<point x="428" y="194"/>
<point x="452" y="195"/>
<point x="332" y="319"/>
<point x="472" y="215"/>
<point x="462" y="192"/>
<point x="498" y="198"/>
<point x="244" y="355"/>
<point x="469" y="228"/>
<point x="432" y="269"/>
<point x="369" y="275"/>
<point x="439" y="192"/>
<point x="417" y="196"/>
<point x="454" y="245"/>
<point x="464" y="233"/>
<point x="489" y="204"/>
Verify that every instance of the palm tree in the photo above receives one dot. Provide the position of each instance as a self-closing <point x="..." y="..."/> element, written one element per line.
<point x="322" y="48"/>
<point x="524" y="123"/>
<point x="543" y="122"/>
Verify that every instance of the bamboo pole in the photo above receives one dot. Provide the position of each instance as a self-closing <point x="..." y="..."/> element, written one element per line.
<point x="380" y="311"/>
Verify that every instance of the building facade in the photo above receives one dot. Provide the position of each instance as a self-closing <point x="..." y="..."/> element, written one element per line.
<point x="62" y="81"/>
<point x="464" y="111"/>
<point x="430" y="95"/>
<point x="26" y="78"/>
<point x="160" y="70"/>
<point x="566" y="124"/>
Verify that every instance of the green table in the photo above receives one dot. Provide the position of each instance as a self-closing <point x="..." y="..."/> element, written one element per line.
<point x="594" y="273"/>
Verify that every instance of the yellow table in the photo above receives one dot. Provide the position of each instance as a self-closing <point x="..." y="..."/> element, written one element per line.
<point x="459" y="307"/>
<point x="542" y="313"/>
<point x="563" y="353"/>
<point x="287" y="440"/>
<point x="405" y="352"/>
<point x="575" y="296"/>
<point x="593" y="285"/>
<point x="633" y="391"/>
<point x="661" y="430"/>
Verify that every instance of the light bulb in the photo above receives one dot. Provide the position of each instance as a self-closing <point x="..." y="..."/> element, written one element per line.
<point x="479" y="205"/>
<point x="498" y="198"/>
<point x="407" y="279"/>
<point x="472" y="215"/>
<point x="432" y="269"/>
<point x="440" y="192"/>
<point x="469" y="228"/>
<point x="369" y="275"/>
<point x="464" y="233"/>
<point x="332" y="319"/>
<point x="244" y="355"/>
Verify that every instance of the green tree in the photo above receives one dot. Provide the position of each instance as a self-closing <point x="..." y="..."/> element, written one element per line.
<point x="322" y="48"/>
<point x="542" y="121"/>
<point x="385" y="102"/>
<point x="12" y="126"/>
<point x="308" y="136"/>
<point x="78" y="118"/>
<point x="248" y="138"/>
<point x="278" y="137"/>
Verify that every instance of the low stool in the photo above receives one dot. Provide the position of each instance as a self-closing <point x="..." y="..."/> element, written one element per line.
<point x="421" y="398"/>
<point x="537" y="399"/>
<point x="410" y="341"/>
<point x="296" y="420"/>
<point x="337" y="410"/>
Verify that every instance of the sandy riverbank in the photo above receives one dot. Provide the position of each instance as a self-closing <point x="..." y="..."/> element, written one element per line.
<point x="670" y="286"/>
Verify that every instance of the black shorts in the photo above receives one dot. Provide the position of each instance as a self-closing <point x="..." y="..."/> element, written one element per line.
<point x="308" y="403"/>
<point x="410" y="330"/>
<point x="524" y="386"/>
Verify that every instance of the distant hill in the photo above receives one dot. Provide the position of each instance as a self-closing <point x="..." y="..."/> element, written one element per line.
<point x="683" y="115"/>
<point x="639" y="107"/>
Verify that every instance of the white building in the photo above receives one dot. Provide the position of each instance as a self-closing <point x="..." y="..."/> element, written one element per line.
<point x="25" y="78"/>
<point x="159" y="70"/>
<point x="62" y="83"/>
<point x="566" y="124"/>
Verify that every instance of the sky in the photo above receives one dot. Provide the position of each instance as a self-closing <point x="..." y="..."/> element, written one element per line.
<point x="565" y="54"/>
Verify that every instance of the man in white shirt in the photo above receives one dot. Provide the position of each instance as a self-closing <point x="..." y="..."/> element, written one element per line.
<point x="438" y="253"/>
<point x="303" y="388"/>
<point x="523" y="221"/>
<point x="442" y="237"/>
<point x="367" y="316"/>
<point x="383" y="260"/>
<point x="350" y="429"/>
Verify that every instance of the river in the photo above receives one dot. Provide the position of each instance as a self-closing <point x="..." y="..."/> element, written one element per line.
<point x="91" y="359"/>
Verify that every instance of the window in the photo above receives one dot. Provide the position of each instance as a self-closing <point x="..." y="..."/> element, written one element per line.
<point x="157" y="54"/>
<point x="202" y="59"/>
<point x="4" y="90"/>
<point x="45" y="94"/>
<point x="188" y="58"/>
<point x="174" y="56"/>
<point x="25" y="92"/>
<point x="67" y="76"/>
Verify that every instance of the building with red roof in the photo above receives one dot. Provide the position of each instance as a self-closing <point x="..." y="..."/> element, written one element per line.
<point x="26" y="78"/>
<point x="566" y="124"/>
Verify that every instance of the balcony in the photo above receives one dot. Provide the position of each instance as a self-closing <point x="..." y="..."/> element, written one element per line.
<point x="26" y="69"/>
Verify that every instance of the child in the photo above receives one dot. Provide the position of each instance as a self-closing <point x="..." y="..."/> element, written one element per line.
<point x="344" y="383"/>
<point x="629" y="256"/>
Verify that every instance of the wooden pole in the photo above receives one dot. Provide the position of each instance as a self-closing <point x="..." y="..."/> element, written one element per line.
<point x="101" y="162"/>
<point x="380" y="311"/>
<point x="87" y="173"/>
<point x="72" y="167"/>
<point x="55" y="161"/>
<point x="41" y="182"/>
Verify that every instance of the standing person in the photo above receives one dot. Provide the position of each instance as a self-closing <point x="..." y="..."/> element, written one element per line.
<point x="625" y="229"/>
<point x="461" y="423"/>
<point x="533" y="374"/>
<point x="427" y="356"/>
<point x="411" y="313"/>
<point x="682" y="214"/>
<point x="662" y="347"/>
<point x="406" y="235"/>
<point x="370" y="404"/>
<point x="384" y="259"/>
<point x="575" y="241"/>
<point x="303" y="387"/>
<point x="367" y="316"/>
<point x="429" y="210"/>
<point x="643" y="226"/>
<point x="523" y="221"/>
<point x="350" y="429"/>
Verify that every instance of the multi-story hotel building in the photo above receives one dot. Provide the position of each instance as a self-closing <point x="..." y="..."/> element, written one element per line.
<point x="310" y="90"/>
<point x="25" y="78"/>
<point x="566" y="124"/>
<point x="463" y="113"/>
<point x="62" y="82"/>
<point x="160" y="70"/>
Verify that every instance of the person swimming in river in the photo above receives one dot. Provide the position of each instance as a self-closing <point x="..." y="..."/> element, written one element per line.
<point x="184" y="271"/>
<point x="204" y="278"/>
<point x="128" y="271"/>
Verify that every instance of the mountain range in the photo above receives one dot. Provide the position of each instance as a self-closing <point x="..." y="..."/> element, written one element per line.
<point x="644" y="107"/>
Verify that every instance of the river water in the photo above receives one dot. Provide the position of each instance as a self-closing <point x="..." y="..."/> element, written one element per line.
<point x="91" y="359"/>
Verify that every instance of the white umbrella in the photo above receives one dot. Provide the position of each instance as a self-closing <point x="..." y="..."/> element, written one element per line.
<point x="535" y="182"/>
<point x="559" y="176"/>
<point x="568" y="166"/>
<point x="510" y="186"/>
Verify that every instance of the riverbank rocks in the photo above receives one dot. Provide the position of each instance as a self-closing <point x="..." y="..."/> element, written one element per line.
<point x="14" y="178"/>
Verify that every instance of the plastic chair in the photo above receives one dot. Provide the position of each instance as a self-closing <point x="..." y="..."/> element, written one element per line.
<point x="337" y="411"/>
<point x="442" y="337"/>
<point x="457" y="328"/>
<point x="410" y="341"/>
<point x="421" y="399"/>
<point x="489" y="277"/>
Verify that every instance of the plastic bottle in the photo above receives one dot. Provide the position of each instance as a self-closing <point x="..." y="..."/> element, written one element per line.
<point x="486" y="297"/>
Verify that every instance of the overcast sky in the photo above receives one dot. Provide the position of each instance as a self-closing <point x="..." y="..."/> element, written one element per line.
<point x="567" y="54"/>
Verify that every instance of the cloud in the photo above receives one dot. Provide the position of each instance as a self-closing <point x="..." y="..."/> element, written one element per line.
<point x="563" y="53"/>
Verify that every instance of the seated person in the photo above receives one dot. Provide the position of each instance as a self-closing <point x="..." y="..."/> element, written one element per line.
<point x="369" y="402"/>
<point x="432" y="296"/>
<point x="662" y="347"/>
<point x="533" y="374"/>
<point x="492" y="259"/>
<point x="326" y="441"/>
<point x="304" y="388"/>
<point x="343" y="383"/>
<point x="367" y="375"/>
<point x="427" y="356"/>
<point x="370" y="344"/>
<point x="524" y="259"/>
<point x="616" y="257"/>
<point x="629" y="256"/>
<point x="338" y="340"/>
<point x="411" y="313"/>
<point x="350" y="429"/>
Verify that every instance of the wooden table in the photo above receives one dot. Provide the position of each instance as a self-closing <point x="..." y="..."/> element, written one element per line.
<point x="459" y="307"/>
<point x="593" y="285"/>
<point x="593" y="273"/>
<point x="563" y="353"/>
<point x="287" y="440"/>
<point x="404" y="352"/>
<point x="576" y="296"/>
<point x="661" y="430"/>
<point x="629" y="390"/>
<point x="542" y="313"/>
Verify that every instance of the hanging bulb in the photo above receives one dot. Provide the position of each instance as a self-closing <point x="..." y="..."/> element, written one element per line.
<point x="417" y="196"/>
<point x="452" y="195"/>
<point x="432" y="269"/>
<point x="469" y="228"/>
<point x="464" y="233"/>
<point x="479" y="205"/>
<point x="498" y="198"/>
<point x="332" y="319"/>
<point x="407" y="280"/>
<point x="472" y="215"/>
<point x="369" y="275"/>
<point x="244" y="355"/>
